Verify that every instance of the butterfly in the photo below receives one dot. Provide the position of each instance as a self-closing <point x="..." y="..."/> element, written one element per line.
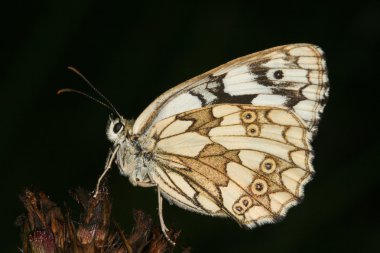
<point x="233" y="142"/>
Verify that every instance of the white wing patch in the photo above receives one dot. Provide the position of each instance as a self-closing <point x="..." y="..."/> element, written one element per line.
<point x="188" y="144"/>
<point x="276" y="100"/>
<point x="180" y="103"/>
<point x="241" y="81"/>
<point x="264" y="145"/>
<point x="220" y="111"/>
<point x="176" y="128"/>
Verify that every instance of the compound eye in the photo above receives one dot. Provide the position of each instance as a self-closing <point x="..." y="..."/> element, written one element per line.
<point x="117" y="127"/>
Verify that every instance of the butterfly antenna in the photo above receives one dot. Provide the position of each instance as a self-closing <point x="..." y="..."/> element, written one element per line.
<point x="110" y="105"/>
<point x="83" y="94"/>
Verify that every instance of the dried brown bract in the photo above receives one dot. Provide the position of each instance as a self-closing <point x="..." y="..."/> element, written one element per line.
<point x="45" y="228"/>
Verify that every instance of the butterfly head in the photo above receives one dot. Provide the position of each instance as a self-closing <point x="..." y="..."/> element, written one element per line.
<point x="118" y="129"/>
<point x="132" y="157"/>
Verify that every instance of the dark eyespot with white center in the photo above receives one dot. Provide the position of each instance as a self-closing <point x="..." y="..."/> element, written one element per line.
<point x="278" y="74"/>
<point x="117" y="127"/>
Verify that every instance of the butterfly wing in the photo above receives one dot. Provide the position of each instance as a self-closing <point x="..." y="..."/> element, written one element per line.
<point x="247" y="162"/>
<point x="292" y="76"/>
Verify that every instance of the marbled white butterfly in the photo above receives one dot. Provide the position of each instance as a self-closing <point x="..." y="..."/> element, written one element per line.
<point x="232" y="142"/>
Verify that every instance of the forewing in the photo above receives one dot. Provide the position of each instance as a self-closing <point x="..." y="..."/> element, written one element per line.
<point x="247" y="162"/>
<point x="292" y="76"/>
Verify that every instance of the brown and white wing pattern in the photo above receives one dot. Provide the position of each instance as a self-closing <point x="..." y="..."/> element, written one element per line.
<point x="247" y="162"/>
<point x="291" y="76"/>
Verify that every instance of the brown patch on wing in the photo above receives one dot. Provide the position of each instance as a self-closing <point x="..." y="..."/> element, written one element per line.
<point x="195" y="178"/>
<point x="203" y="186"/>
<point x="217" y="156"/>
<point x="217" y="162"/>
<point x="211" y="124"/>
<point x="203" y="120"/>
<point x="204" y="131"/>
<point x="213" y="149"/>
<point x="216" y="175"/>
<point x="233" y="155"/>
<point x="215" y="153"/>
<point x="199" y="117"/>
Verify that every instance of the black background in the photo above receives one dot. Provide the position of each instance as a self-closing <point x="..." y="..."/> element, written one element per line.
<point x="133" y="52"/>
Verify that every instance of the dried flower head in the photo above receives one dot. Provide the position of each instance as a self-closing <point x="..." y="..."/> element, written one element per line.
<point x="46" y="229"/>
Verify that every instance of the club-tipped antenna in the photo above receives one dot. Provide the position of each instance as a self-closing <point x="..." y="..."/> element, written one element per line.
<point x="83" y="94"/>
<point x="110" y="105"/>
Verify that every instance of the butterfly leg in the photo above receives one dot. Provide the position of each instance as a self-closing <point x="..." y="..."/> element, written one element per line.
<point x="164" y="229"/>
<point x="146" y="184"/>
<point x="110" y="159"/>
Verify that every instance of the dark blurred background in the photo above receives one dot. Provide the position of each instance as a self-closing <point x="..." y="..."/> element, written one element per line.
<point x="134" y="51"/>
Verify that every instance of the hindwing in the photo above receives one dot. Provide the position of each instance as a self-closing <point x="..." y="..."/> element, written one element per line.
<point x="247" y="162"/>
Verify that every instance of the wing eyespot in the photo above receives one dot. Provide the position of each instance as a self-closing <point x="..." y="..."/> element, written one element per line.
<point x="253" y="130"/>
<point x="259" y="187"/>
<point x="248" y="116"/>
<point x="278" y="74"/>
<point x="242" y="205"/>
<point x="268" y="166"/>
<point x="238" y="209"/>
